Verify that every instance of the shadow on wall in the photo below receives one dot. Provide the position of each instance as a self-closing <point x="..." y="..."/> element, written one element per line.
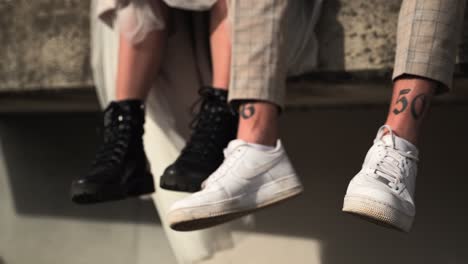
<point x="330" y="34"/>
<point x="463" y="46"/>
<point x="328" y="148"/>
<point x="44" y="153"/>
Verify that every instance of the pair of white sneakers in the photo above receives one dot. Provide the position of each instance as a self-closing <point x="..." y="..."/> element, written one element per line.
<point x="251" y="178"/>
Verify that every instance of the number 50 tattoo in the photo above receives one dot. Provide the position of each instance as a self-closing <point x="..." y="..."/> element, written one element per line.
<point x="402" y="100"/>
<point x="417" y="106"/>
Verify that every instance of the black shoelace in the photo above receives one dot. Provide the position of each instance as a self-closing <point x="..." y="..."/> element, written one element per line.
<point x="206" y="126"/>
<point x="117" y="137"/>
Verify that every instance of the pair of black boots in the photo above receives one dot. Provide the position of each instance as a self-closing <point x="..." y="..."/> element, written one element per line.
<point x="121" y="169"/>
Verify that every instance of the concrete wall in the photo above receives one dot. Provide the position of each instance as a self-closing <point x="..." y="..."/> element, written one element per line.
<point x="357" y="35"/>
<point x="40" y="154"/>
<point x="45" y="45"/>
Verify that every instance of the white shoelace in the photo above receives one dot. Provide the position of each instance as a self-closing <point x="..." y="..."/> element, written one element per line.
<point x="394" y="162"/>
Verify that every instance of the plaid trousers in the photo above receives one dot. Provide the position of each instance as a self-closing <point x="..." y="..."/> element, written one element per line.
<point x="258" y="61"/>
<point x="427" y="40"/>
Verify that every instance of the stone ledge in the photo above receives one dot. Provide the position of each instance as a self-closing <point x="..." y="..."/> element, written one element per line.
<point x="302" y="94"/>
<point x="357" y="93"/>
<point x="70" y="100"/>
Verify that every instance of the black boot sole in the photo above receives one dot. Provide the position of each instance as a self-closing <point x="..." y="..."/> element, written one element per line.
<point x="91" y="193"/>
<point x="178" y="185"/>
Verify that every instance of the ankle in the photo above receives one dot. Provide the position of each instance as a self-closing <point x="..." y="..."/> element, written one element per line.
<point x="262" y="147"/>
<point x="405" y="132"/>
<point x="259" y="139"/>
<point x="409" y="106"/>
<point x="258" y="123"/>
<point x="130" y="101"/>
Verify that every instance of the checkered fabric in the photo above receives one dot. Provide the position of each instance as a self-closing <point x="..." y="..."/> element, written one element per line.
<point x="258" y="65"/>
<point x="427" y="39"/>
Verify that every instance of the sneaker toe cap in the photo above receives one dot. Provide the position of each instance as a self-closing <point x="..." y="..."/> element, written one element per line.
<point x="179" y="179"/>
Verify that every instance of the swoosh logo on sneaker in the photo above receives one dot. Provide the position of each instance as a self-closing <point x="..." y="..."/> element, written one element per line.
<point x="248" y="172"/>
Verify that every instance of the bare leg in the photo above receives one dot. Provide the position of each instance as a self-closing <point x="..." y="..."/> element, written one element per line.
<point x="260" y="67"/>
<point x="220" y="45"/>
<point x="410" y="103"/>
<point x="215" y="125"/>
<point x="139" y="64"/>
<point x="121" y="158"/>
<point x="248" y="170"/>
<point x="383" y="190"/>
<point x="258" y="123"/>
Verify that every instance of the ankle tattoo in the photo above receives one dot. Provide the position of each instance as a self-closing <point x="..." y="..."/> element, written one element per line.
<point x="247" y="110"/>
<point x="417" y="105"/>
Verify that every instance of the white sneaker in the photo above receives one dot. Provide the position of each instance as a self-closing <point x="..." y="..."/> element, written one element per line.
<point x="249" y="179"/>
<point x="383" y="191"/>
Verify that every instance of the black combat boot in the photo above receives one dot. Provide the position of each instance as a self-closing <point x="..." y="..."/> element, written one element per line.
<point x="120" y="169"/>
<point x="213" y="127"/>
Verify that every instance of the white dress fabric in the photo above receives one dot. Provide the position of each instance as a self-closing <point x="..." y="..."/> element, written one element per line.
<point x="185" y="68"/>
<point x="135" y="18"/>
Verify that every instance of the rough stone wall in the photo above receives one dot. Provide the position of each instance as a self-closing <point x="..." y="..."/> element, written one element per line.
<point x="358" y="35"/>
<point x="45" y="44"/>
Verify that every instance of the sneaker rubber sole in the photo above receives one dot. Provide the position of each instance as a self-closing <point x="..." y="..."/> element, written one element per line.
<point x="196" y="218"/>
<point x="91" y="193"/>
<point x="377" y="212"/>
